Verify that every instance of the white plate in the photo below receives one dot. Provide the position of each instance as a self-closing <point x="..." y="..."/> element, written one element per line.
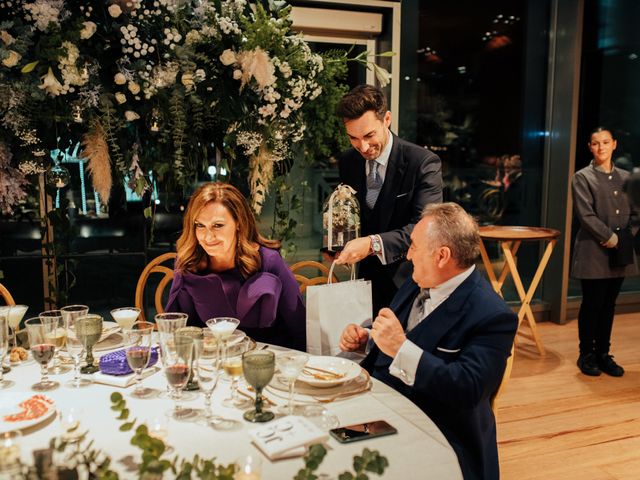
<point x="115" y="340"/>
<point x="10" y="405"/>
<point x="108" y="329"/>
<point x="279" y="382"/>
<point x="341" y="366"/>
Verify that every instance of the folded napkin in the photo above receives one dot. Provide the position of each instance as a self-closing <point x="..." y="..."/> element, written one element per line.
<point x="122" y="381"/>
<point x="115" y="363"/>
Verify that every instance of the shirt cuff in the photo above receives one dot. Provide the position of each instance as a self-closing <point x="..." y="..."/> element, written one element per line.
<point x="405" y="363"/>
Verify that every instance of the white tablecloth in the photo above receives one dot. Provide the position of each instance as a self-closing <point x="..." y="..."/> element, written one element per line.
<point x="419" y="450"/>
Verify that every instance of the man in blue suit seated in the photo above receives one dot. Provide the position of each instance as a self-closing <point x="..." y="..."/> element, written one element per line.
<point x="445" y="339"/>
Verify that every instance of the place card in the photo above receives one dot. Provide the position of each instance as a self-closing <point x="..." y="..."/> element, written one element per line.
<point x="287" y="437"/>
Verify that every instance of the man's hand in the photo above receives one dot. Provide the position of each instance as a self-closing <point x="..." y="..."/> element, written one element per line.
<point x="354" y="251"/>
<point x="387" y="332"/>
<point x="353" y="338"/>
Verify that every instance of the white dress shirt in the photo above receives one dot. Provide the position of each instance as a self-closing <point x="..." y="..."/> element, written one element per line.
<point x="405" y="363"/>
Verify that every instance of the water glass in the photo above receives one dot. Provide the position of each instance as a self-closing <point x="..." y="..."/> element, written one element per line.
<point x="138" y="340"/>
<point x="177" y="367"/>
<point x="58" y="337"/>
<point x="290" y="366"/>
<point x="40" y="332"/>
<point x="258" y="367"/>
<point x="75" y="349"/>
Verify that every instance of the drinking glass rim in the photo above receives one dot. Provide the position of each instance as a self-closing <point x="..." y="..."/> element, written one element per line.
<point x="120" y="309"/>
<point x="74" y="308"/>
<point x="148" y="327"/>
<point x="51" y="314"/>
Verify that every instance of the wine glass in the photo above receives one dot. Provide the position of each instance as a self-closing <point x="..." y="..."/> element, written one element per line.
<point x="125" y="317"/>
<point x="258" y="367"/>
<point x="232" y="366"/>
<point x="167" y="324"/>
<point x="138" y="340"/>
<point x="4" y="348"/>
<point x="89" y="331"/>
<point x="75" y="348"/>
<point x="196" y="334"/>
<point x="40" y="332"/>
<point x="58" y="337"/>
<point x="290" y="366"/>
<point x="223" y="328"/>
<point x="16" y="313"/>
<point x="177" y="366"/>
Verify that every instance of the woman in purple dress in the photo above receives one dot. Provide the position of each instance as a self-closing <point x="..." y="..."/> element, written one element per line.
<point x="225" y="268"/>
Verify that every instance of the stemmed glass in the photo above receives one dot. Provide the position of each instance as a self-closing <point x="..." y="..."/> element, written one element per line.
<point x="196" y="334"/>
<point x="177" y="366"/>
<point x="258" y="367"/>
<point x="232" y="366"/>
<point x="290" y="366"/>
<point x="125" y="317"/>
<point x="40" y="332"/>
<point x="223" y="328"/>
<point x="58" y="337"/>
<point x="89" y="331"/>
<point x="138" y="340"/>
<point x="15" y="315"/>
<point x="75" y="348"/>
<point x="167" y="324"/>
<point x="4" y="347"/>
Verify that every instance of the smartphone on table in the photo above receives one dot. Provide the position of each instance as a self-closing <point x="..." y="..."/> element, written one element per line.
<point x="362" y="431"/>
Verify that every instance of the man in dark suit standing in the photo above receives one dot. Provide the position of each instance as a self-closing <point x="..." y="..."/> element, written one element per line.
<point x="445" y="339"/>
<point x="394" y="180"/>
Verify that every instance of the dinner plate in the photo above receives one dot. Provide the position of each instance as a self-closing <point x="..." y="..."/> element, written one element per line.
<point x="279" y="382"/>
<point x="346" y="369"/>
<point x="31" y="409"/>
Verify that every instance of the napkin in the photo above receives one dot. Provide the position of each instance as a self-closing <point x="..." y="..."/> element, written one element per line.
<point x="287" y="437"/>
<point x="122" y="381"/>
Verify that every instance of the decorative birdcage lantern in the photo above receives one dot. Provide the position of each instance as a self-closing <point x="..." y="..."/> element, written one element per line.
<point x="341" y="218"/>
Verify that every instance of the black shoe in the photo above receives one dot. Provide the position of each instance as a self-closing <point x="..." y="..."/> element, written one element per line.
<point x="588" y="364"/>
<point x="607" y="364"/>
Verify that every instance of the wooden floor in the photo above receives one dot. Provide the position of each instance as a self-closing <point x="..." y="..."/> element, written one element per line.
<point x="555" y="423"/>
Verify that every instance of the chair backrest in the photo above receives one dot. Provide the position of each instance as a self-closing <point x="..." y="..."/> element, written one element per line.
<point x="154" y="266"/>
<point x="505" y="379"/>
<point x="4" y="293"/>
<point x="306" y="280"/>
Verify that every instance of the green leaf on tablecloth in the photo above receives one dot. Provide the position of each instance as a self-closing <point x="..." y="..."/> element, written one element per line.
<point x="124" y="414"/>
<point x="116" y="397"/>
<point x="125" y="427"/>
<point x="345" y="476"/>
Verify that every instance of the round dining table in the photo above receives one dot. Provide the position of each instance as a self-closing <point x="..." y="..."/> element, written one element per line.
<point x="418" y="450"/>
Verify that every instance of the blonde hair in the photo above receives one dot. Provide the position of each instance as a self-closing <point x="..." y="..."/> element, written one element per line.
<point x="454" y="228"/>
<point x="193" y="258"/>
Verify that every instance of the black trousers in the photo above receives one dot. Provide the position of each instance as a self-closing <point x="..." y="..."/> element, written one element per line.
<point x="595" y="319"/>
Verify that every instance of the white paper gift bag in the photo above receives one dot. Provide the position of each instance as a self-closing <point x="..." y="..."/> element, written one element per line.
<point x="331" y="307"/>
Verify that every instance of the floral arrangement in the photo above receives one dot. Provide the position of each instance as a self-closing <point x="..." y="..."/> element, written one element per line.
<point x="341" y="217"/>
<point x="162" y="86"/>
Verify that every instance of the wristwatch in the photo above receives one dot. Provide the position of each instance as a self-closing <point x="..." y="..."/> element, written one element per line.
<point x="376" y="245"/>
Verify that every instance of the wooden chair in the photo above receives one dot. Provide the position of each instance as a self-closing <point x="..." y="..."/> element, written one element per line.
<point x="304" y="280"/>
<point x="4" y="293"/>
<point x="505" y="379"/>
<point x="154" y="266"/>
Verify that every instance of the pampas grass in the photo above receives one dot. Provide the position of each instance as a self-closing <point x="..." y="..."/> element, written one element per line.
<point x="97" y="151"/>
<point x="260" y="177"/>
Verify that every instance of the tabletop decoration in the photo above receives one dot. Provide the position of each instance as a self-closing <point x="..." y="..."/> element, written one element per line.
<point x="341" y="218"/>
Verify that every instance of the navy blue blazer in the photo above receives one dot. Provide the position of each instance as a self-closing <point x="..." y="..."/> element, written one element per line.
<point x="466" y="341"/>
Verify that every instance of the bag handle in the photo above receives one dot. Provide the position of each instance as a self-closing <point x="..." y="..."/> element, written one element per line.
<point x="350" y="267"/>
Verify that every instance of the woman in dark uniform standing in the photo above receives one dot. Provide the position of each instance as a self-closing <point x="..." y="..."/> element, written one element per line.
<point x="603" y="251"/>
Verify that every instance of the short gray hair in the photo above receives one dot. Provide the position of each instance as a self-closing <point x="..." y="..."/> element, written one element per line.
<point x="454" y="228"/>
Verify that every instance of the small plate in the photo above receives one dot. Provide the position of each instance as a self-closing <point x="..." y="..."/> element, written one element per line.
<point x="115" y="340"/>
<point x="108" y="329"/>
<point x="347" y="370"/>
<point x="43" y="408"/>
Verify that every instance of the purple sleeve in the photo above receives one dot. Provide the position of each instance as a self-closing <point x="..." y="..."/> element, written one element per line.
<point x="291" y="309"/>
<point x="179" y="299"/>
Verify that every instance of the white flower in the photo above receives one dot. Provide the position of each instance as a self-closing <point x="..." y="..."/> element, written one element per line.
<point x="114" y="10"/>
<point x="200" y="75"/>
<point x="121" y="98"/>
<point x="6" y="38"/>
<point x="51" y="84"/>
<point x="12" y="60"/>
<point x="133" y="88"/>
<point x="382" y="75"/>
<point x="120" y="79"/>
<point x="193" y="37"/>
<point x="237" y="74"/>
<point x="130" y="116"/>
<point x="187" y="80"/>
<point x="88" y="30"/>
<point x="228" y="57"/>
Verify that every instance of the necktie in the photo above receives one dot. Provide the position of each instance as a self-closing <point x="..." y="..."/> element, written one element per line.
<point x="374" y="184"/>
<point x="417" y="312"/>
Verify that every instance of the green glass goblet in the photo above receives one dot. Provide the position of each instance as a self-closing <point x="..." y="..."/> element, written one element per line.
<point x="88" y="331"/>
<point x="258" y="367"/>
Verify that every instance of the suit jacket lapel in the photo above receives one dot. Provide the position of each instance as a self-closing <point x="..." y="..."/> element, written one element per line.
<point x="395" y="170"/>
<point x="431" y="330"/>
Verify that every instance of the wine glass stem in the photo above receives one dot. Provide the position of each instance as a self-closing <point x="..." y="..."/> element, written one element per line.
<point x="207" y="405"/>
<point x="258" y="401"/>
<point x="44" y="373"/>
<point x="177" y="398"/>
<point x="76" y="371"/>
<point x="292" y="384"/>
<point x="234" y="389"/>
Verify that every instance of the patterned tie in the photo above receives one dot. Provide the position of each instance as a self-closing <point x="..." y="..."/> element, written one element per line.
<point x="417" y="312"/>
<point x="374" y="184"/>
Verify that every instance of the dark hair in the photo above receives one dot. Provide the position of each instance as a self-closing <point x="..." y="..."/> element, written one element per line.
<point x="193" y="258"/>
<point x="602" y="129"/>
<point x="360" y="100"/>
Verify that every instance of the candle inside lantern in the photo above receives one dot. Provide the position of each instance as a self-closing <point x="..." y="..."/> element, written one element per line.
<point x="248" y="468"/>
<point x="9" y="451"/>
